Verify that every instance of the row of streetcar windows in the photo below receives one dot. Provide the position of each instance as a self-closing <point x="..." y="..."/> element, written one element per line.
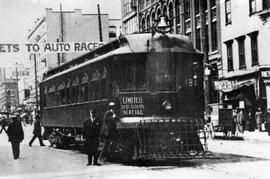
<point x="74" y="90"/>
<point x="131" y="76"/>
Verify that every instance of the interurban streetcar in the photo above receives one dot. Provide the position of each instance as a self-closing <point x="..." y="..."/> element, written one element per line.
<point x="156" y="83"/>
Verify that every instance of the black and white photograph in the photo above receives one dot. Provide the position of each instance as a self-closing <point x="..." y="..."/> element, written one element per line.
<point x="137" y="89"/>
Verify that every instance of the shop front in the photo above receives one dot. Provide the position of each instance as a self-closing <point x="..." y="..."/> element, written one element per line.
<point x="241" y="92"/>
<point x="265" y="88"/>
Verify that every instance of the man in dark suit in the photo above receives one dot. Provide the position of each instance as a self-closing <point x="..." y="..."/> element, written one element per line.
<point x="15" y="135"/>
<point x="90" y="131"/>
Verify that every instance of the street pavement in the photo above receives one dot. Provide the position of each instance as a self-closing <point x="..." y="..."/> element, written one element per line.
<point x="238" y="159"/>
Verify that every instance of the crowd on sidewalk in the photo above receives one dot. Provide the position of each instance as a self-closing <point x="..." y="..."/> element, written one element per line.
<point x="242" y="122"/>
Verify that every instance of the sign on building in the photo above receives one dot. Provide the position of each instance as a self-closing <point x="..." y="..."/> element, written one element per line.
<point x="225" y="85"/>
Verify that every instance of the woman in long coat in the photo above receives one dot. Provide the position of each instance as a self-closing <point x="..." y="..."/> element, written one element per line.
<point x="15" y="136"/>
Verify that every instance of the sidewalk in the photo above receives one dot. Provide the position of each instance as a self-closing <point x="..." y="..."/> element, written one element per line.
<point x="256" y="136"/>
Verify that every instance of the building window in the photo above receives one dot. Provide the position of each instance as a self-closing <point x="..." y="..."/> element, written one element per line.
<point x="241" y="51"/>
<point x="153" y="19"/>
<point x="229" y="55"/>
<point x="186" y="9"/>
<point x="171" y="12"/>
<point x="143" y="25"/>
<point x="148" y="23"/>
<point x="254" y="47"/>
<point x="266" y="4"/>
<point x="158" y="13"/>
<point x="198" y="39"/>
<point x="214" y="36"/>
<point x="213" y="3"/>
<point x="112" y="31"/>
<point x="228" y="12"/>
<point x="177" y="11"/>
<point x="252" y="6"/>
<point x="165" y="11"/>
<point x="197" y="7"/>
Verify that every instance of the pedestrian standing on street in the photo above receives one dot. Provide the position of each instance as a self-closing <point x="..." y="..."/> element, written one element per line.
<point x="15" y="135"/>
<point x="108" y="132"/>
<point x="37" y="131"/>
<point x="259" y="119"/>
<point x="239" y="121"/>
<point x="91" y="131"/>
<point x="234" y="115"/>
<point x="267" y="120"/>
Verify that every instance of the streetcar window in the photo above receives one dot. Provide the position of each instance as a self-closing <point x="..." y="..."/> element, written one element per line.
<point x="162" y="72"/>
<point x="51" y="96"/>
<point x="94" y="85"/>
<point x="84" y="88"/>
<point x="103" y="83"/>
<point x="45" y="96"/>
<point x="68" y="100"/>
<point x="133" y="75"/>
<point x="75" y="90"/>
<point x="61" y="99"/>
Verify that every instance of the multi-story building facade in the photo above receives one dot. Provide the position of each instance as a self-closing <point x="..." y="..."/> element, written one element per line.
<point x="66" y="26"/>
<point x="17" y="73"/>
<point x="130" y="16"/>
<point x="185" y="18"/>
<point x="9" y="95"/>
<point x="245" y="27"/>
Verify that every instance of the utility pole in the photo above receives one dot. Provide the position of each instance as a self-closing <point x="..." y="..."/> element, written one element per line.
<point x="36" y="82"/>
<point x="61" y="35"/>
<point x="203" y="3"/>
<point x="99" y="25"/>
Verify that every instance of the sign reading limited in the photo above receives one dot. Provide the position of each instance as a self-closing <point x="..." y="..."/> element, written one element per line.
<point x="132" y="105"/>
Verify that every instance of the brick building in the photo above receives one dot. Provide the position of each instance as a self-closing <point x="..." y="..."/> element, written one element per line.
<point x="9" y="95"/>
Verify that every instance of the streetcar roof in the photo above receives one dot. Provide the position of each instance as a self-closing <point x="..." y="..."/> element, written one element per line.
<point x="140" y="43"/>
<point x="179" y="43"/>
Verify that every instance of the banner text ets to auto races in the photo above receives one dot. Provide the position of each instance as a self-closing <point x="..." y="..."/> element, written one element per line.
<point x="60" y="47"/>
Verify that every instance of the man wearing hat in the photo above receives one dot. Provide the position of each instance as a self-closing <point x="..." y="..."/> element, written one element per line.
<point x="91" y="131"/>
<point x="15" y="135"/>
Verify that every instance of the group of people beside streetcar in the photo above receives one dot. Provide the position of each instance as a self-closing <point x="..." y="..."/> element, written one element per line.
<point x="99" y="135"/>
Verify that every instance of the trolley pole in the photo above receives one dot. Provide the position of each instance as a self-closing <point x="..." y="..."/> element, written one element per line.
<point x="204" y="51"/>
<point x="36" y="82"/>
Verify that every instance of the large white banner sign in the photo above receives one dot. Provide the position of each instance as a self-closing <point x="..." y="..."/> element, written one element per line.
<point x="60" y="47"/>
